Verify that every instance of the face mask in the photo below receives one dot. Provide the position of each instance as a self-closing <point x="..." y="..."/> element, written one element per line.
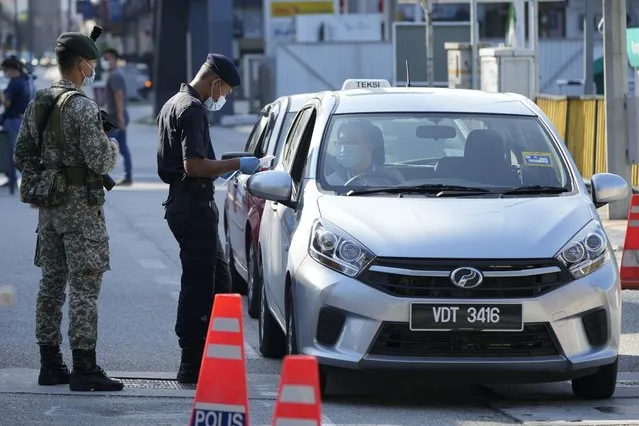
<point x="89" y="80"/>
<point x="349" y="155"/>
<point x="105" y="64"/>
<point x="212" y="105"/>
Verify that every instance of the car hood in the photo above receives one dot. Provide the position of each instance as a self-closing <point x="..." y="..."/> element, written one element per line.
<point x="484" y="228"/>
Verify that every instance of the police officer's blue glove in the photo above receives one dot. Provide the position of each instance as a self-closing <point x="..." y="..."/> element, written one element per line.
<point x="248" y="165"/>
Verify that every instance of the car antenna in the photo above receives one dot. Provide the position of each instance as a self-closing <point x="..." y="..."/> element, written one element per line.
<point x="407" y="75"/>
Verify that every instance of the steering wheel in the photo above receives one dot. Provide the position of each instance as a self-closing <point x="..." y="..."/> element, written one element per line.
<point x="367" y="177"/>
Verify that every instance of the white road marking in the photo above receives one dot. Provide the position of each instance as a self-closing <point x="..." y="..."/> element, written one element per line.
<point x="152" y="263"/>
<point x="326" y="421"/>
<point x="249" y="352"/>
<point x="168" y="280"/>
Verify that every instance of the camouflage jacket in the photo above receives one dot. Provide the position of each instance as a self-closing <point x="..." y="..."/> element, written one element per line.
<point x="85" y="140"/>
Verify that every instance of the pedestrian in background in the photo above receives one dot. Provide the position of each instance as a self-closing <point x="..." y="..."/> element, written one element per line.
<point x="72" y="244"/>
<point x="15" y="99"/>
<point x="116" y="108"/>
<point x="187" y="162"/>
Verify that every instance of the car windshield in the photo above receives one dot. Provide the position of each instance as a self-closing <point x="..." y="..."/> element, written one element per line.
<point x="478" y="151"/>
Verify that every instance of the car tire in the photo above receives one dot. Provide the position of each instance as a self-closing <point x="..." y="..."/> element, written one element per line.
<point x="238" y="285"/>
<point x="600" y="385"/>
<point x="292" y="348"/>
<point x="271" y="339"/>
<point x="292" y="345"/>
<point x="254" y="285"/>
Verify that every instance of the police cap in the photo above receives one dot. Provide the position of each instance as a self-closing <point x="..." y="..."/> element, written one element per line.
<point x="81" y="44"/>
<point x="224" y="68"/>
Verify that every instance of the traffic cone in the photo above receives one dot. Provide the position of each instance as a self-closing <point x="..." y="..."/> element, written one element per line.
<point x="221" y="397"/>
<point x="630" y="256"/>
<point x="298" y="399"/>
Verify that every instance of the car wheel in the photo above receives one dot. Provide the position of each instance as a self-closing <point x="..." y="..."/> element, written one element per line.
<point x="600" y="385"/>
<point x="292" y="347"/>
<point x="271" y="339"/>
<point x="238" y="285"/>
<point x="254" y="283"/>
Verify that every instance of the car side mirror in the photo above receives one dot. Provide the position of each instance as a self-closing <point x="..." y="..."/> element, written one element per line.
<point x="608" y="187"/>
<point x="273" y="185"/>
<point x="236" y="154"/>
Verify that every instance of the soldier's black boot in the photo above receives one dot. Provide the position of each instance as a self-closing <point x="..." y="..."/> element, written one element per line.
<point x="88" y="376"/>
<point x="189" y="371"/>
<point x="53" y="370"/>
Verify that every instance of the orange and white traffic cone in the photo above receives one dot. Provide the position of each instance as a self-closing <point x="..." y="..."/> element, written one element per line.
<point x="298" y="399"/>
<point x="630" y="256"/>
<point x="221" y="397"/>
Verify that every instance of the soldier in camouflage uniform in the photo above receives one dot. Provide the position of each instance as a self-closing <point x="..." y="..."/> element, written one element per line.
<point x="72" y="244"/>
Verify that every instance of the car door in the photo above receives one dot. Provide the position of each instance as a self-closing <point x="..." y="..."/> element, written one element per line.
<point x="236" y="217"/>
<point x="285" y="217"/>
<point x="270" y="227"/>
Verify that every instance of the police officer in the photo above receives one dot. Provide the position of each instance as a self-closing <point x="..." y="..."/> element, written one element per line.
<point x="72" y="244"/>
<point x="186" y="162"/>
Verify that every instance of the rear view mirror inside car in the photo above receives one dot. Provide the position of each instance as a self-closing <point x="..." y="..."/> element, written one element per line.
<point x="436" y="132"/>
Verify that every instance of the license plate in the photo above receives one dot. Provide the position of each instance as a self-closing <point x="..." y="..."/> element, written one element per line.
<point x="465" y="316"/>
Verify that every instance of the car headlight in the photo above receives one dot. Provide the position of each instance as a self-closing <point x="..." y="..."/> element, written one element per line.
<point x="586" y="252"/>
<point x="337" y="250"/>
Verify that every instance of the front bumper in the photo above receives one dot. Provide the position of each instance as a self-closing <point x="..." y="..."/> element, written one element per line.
<point x="368" y="315"/>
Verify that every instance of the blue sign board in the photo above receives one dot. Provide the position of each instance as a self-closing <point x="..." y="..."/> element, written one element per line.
<point x="116" y="11"/>
<point x="86" y="9"/>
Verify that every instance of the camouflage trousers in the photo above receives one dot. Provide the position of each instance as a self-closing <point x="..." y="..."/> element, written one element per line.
<point x="73" y="248"/>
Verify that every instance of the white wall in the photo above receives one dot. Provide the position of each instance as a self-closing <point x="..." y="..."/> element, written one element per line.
<point x="304" y="67"/>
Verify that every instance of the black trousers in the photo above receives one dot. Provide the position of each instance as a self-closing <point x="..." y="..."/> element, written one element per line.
<point x="205" y="272"/>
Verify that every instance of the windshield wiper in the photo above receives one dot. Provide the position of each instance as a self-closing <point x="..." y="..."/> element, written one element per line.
<point x="536" y="189"/>
<point x="421" y="189"/>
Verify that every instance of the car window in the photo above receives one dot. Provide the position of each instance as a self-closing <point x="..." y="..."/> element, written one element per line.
<point x="478" y="150"/>
<point x="286" y="126"/>
<point x="254" y="138"/>
<point x="294" y="136"/>
<point x="266" y="141"/>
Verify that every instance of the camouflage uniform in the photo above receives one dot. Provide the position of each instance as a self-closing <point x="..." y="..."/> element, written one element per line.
<point x="72" y="241"/>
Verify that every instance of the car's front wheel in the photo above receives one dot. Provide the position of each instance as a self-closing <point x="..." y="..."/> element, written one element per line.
<point x="272" y="340"/>
<point x="600" y="385"/>
<point x="292" y="345"/>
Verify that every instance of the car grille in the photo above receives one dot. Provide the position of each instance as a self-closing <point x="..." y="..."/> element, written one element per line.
<point x="430" y="278"/>
<point x="396" y="339"/>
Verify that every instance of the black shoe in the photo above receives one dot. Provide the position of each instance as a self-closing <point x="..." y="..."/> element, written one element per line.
<point x="53" y="370"/>
<point x="125" y="181"/>
<point x="189" y="371"/>
<point x="88" y="376"/>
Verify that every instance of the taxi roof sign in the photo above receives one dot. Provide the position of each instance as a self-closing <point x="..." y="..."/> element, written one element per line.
<point x="365" y="83"/>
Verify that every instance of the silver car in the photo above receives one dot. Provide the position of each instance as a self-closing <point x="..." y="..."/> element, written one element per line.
<point x="441" y="230"/>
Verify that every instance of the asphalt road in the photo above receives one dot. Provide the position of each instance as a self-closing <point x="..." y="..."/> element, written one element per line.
<point x="136" y="337"/>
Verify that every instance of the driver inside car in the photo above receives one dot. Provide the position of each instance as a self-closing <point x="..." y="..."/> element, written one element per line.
<point x="360" y="157"/>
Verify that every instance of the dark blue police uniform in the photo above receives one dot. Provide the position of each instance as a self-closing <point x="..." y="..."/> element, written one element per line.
<point x="192" y="215"/>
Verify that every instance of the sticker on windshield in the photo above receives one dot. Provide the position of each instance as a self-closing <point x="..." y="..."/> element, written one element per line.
<point x="540" y="159"/>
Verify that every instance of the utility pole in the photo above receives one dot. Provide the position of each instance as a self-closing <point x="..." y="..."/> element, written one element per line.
<point x="69" y="15"/>
<point x="427" y="5"/>
<point x="16" y="25"/>
<point x="616" y="93"/>
<point x="589" y="24"/>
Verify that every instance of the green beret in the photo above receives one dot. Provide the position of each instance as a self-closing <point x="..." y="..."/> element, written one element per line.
<point x="80" y="44"/>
